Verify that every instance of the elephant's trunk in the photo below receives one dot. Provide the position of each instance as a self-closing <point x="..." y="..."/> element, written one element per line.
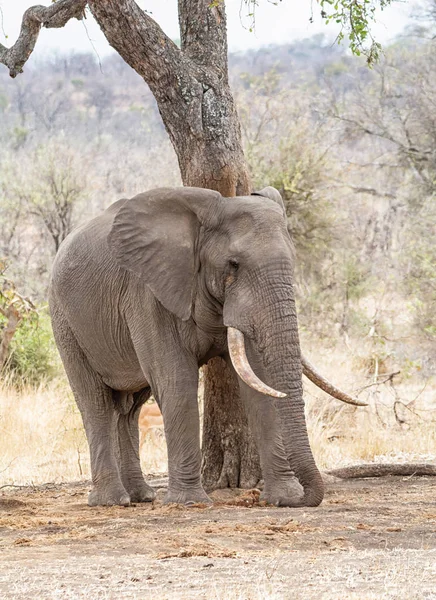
<point x="283" y="365"/>
<point x="282" y="360"/>
<point x="275" y="344"/>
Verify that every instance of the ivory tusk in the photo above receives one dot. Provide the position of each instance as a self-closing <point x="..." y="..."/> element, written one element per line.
<point x="242" y="367"/>
<point x="312" y="374"/>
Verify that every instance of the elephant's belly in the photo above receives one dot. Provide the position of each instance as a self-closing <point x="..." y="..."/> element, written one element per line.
<point x="117" y="372"/>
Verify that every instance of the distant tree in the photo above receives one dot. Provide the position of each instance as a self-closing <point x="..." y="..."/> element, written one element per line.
<point x="288" y="147"/>
<point x="388" y="122"/>
<point x="49" y="188"/>
<point x="55" y="193"/>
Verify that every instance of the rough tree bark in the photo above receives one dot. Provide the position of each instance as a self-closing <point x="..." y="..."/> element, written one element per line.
<point x="191" y="88"/>
<point x="230" y="457"/>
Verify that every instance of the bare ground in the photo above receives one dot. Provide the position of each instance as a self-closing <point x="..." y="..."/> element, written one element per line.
<point x="370" y="539"/>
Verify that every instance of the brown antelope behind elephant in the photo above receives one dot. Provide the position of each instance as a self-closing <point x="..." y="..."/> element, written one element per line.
<point x="150" y="418"/>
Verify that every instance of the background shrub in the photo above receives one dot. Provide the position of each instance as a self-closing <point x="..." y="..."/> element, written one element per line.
<point x="33" y="357"/>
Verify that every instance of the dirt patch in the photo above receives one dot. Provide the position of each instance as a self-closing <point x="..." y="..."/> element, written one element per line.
<point x="372" y="538"/>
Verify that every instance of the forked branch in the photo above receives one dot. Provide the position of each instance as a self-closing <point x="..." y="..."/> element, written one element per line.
<point x="142" y="43"/>
<point x="54" y="16"/>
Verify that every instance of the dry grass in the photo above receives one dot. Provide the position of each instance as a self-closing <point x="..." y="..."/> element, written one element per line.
<point x="154" y="456"/>
<point x="350" y="438"/>
<point x="42" y="437"/>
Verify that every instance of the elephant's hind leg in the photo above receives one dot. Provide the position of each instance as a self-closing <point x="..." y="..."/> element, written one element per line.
<point x="127" y="434"/>
<point x="95" y="403"/>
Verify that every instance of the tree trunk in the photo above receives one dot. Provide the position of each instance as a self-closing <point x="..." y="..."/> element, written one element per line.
<point x="230" y="457"/>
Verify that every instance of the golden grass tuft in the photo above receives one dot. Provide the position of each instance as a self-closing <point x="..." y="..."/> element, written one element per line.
<point x="41" y="435"/>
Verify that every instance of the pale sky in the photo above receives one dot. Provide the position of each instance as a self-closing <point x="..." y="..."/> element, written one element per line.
<point x="275" y="24"/>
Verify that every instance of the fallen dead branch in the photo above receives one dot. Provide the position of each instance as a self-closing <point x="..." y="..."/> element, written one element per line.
<point x="383" y="470"/>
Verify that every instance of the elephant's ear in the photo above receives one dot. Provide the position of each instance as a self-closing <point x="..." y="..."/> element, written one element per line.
<point x="272" y="194"/>
<point x="154" y="235"/>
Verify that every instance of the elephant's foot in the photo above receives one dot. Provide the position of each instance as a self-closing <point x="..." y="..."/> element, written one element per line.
<point x="187" y="497"/>
<point x="140" y="491"/>
<point x="284" y="493"/>
<point x="108" y="494"/>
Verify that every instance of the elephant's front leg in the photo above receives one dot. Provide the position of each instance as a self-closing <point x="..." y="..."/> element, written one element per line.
<point x="177" y="398"/>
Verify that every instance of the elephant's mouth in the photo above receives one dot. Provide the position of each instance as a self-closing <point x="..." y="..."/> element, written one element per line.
<point x="242" y="367"/>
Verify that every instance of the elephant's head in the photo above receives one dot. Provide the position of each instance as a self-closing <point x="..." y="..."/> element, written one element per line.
<point x="228" y="263"/>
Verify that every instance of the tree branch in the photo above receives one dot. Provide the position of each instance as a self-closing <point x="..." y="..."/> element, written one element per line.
<point x="54" y="16"/>
<point x="141" y="42"/>
<point x="390" y="378"/>
<point x="358" y="189"/>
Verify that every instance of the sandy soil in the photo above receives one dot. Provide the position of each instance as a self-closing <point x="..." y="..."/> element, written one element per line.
<point x="373" y="538"/>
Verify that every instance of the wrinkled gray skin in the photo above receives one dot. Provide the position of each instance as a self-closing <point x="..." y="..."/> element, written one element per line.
<point x="142" y="295"/>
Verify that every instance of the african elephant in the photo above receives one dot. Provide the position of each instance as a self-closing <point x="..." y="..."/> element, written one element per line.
<point x="156" y="286"/>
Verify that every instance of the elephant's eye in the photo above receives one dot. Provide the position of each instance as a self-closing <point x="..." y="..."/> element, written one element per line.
<point x="234" y="264"/>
